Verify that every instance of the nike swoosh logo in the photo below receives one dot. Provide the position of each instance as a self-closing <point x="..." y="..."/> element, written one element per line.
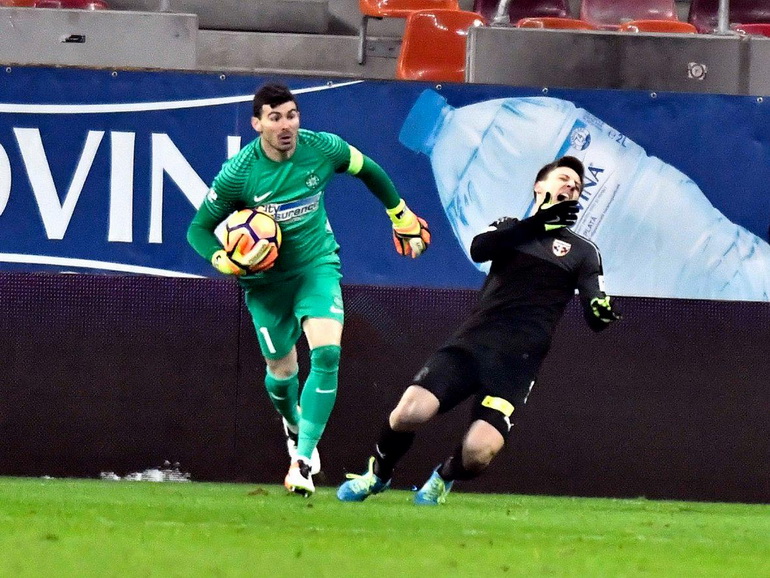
<point x="334" y="309"/>
<point x="260" y="198"/>
<point x="325" y="390"/>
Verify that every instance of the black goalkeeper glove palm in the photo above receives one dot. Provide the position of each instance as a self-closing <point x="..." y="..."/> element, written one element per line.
<point x="553" y="216"/>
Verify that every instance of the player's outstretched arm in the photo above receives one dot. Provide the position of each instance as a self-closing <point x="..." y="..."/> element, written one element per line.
<point x="411" y="235"/>
<point x="506" y="234"/>
<point x="598" y="309"/>
<point x="501" y="237"/>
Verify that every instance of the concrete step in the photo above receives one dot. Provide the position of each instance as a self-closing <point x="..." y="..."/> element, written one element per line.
<point x="303" y="54"/>
<point x="306" y="16"/>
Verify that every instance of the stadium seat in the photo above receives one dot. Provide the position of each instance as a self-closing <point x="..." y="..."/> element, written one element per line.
<point x="673" y="26"/>
<point x="518" y="9"/>
<point x="704" y="14"/>
<point x="756" y="29"/>
<point x="554" y="23"/>
<point x="394" y="9"/>
<point x="610" y="14"/>
<point x="17" y="3"/>
<point x="433" y="47"/>
<point x="48" y="4"/>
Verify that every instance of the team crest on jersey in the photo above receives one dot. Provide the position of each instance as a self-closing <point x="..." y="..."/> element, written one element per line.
<point x="312" y="181"/>
<point x="561" y="248"/>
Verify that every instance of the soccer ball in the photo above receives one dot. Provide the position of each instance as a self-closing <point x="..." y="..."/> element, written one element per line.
<point x="246" y="228"/>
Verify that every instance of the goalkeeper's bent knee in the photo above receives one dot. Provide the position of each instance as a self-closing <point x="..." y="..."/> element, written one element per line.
<point x="279" y="386"/>
<point x="326" y="358"/>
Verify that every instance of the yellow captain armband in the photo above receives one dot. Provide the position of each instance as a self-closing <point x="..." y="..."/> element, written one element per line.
<point x="356" y="161"/>
<point x="498" y="403"/>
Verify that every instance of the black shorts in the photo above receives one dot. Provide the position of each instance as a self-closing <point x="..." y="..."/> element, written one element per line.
<point x="455" y="373"/>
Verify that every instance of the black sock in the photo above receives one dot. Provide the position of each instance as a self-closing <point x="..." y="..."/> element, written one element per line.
<point x="390" y="448"/>
<point x="453" y="468"/>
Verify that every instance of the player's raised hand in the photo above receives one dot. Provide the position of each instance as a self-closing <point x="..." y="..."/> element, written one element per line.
<point x="552" y="216"/>
<point x="411" y="235"/>
<point x="224" y="264"/>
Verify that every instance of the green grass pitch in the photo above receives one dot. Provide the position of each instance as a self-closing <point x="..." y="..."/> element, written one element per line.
<point x="83" y="528"/>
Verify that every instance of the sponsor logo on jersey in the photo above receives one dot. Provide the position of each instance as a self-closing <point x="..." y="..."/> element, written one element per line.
<point x="561" y="248"/>
<point x="293" y="210"/>
<point x="312" y="181"/>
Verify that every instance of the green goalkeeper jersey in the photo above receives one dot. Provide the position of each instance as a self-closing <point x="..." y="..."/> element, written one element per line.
<point x="291" y="190"/>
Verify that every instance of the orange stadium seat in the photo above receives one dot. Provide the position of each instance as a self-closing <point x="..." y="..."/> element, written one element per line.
<point x="703" y="14"/>
<point x="673" y="26"/>
<point x="756" y="29"/>
<point x="610" y="14"/>
<point x="518" y="9"/>
<point x="434" y="42"/>
<point x="555" y="23"/>
<point x="394" y="9"/>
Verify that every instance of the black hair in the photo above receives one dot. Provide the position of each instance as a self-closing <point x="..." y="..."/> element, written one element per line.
<point x="272" y="94"/>
<point x="569" y="162"/>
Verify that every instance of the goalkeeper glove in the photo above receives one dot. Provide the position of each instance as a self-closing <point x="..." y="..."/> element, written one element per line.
<point x="224" y="264"/>
<point x="553" y="216"/>
<point x="236" y="263"/>
<point x="602" y="310"/>
<point x="411" y="235"/>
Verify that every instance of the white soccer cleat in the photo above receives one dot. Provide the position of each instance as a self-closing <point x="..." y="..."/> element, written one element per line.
<point x="299" y="479"/>
<point x="291" y="445"/>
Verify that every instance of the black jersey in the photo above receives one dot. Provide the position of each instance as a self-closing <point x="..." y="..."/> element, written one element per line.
<point x="533" y="276"/>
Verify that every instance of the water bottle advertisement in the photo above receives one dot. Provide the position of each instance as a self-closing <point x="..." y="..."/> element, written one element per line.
<point x="102" y="171"/>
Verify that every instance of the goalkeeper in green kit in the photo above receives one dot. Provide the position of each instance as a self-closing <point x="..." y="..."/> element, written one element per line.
<point x="284" y="172"/>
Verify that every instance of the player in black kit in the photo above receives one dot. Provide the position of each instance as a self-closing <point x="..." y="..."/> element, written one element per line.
<point x="537" y="264"/>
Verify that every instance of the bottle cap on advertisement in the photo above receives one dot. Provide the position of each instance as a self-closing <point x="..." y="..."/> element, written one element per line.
<point x="419" y="130"/>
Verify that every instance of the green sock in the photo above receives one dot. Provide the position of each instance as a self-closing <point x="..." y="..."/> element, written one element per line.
<point x="318" y="396"/>
<point x="284" y="393"/>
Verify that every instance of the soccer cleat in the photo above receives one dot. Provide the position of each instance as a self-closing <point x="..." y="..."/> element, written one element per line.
<point x="358" y="488"/>
<point x="299" y="479"/>
<point x="292" y="440"/>
<point x="434" y="491"/>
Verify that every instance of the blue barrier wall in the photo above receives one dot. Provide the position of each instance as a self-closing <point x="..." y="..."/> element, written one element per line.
<point x="102" y="170"/>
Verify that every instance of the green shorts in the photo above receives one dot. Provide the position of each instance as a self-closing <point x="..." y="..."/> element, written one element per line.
<point x="278" y="309"/>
